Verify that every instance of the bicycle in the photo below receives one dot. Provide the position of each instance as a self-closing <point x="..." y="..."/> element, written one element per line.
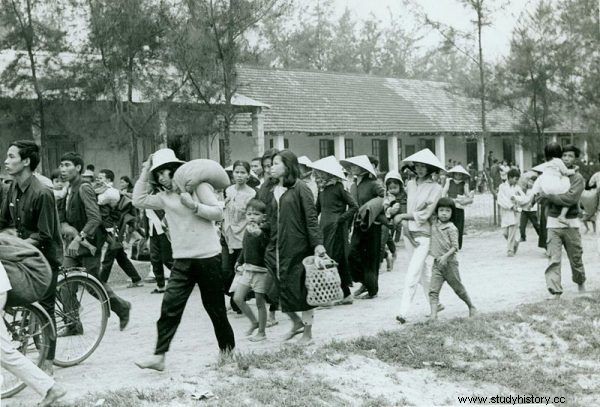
<point x="81" y="305"/>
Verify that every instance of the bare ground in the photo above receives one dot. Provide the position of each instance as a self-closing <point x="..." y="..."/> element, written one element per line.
<point x="494" y="281"/>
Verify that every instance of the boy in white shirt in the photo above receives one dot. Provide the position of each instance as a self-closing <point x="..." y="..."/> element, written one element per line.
<point x="510" y="199"/>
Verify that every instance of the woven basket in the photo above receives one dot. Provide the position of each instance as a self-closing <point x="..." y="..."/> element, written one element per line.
<point x="323" y="285"/>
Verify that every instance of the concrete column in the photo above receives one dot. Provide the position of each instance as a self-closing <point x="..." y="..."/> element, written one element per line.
<point x="392" y="144"/>
<point x="440" y="148"/>
<point x="339" y="147"/>
<point x="519" y="155"/>
<point x="279" y="142"/>
<point x="162" y="127"/>
<point x="481" y="164"/>
<point x="258" y="132"/>
<point x="554" y="138"/>
<point x="584" y="149"/>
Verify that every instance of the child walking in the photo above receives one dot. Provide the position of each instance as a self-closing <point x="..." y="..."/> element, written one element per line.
<point x="443" y="249"/>
<point x="255" y="275"/>
<point x="510" y="199"/>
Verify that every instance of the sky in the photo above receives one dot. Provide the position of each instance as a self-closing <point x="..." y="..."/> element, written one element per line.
<point x="496" y="38"/>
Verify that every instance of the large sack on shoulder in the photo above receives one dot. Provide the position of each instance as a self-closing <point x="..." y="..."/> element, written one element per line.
<point x="191" y="174"/>
<point x="589" y="201"/>
<point x="28" y="271"/>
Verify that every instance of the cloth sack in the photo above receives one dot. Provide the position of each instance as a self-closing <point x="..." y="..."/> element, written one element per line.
<point x="27" y="269"/>
<point x="140" y="249"/>
<point x="589" y="201"/>
<point x="323" y="284"/>
<point x="191" y="174"/>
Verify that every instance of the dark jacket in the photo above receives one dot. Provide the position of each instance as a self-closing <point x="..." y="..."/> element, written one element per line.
<point x="294" y="235"/>
<point x="570" y="198"/>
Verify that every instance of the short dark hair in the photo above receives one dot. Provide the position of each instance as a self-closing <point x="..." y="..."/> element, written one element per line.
<point x="241" y="163"/>
<point x="257" y="205"/>
<point x="445" y="203"/>
<point x="552" y="150"/>
<point x="573" y="149"/>
<point x="90" y="167"/>
<point x="373" y="160"/>
<point x="55" y="175"/>
<point x="127" y="180"/>
<point x="28" y="149"/>
<point x="269" y="154"/>
<point x="513" y="172"/>
<point x="259" y="159"/>
<point x="108" y="174"/>
<point x="73" y="157"/>
<point x="292" y="168"/>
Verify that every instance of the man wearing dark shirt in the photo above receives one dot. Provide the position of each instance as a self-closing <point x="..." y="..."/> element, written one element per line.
<point x="80" y="218"/>
<point x="29" y="207"/>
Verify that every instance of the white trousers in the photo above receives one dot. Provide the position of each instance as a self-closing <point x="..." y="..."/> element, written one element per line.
<point x="24" y="369"/>
<point x="419" y="272"/>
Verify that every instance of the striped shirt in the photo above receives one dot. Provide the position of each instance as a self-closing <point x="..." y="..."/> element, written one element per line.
<point x="444" y="236"/>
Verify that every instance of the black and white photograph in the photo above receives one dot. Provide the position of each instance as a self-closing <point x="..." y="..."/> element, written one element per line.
<point x="299" y="203"/>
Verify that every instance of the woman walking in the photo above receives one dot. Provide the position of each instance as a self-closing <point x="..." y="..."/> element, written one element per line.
<point x="422" y="197"/>
<point x="237" y="197"/>
<point x="365" y="246"/>
<point x="337" y="208"/>
<point x="196" y="251"/>
<point x="295" y="234"/>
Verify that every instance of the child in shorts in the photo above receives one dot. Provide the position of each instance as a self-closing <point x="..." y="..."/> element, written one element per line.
<point x="254" y="274"/>
<point x="443" y="249"/>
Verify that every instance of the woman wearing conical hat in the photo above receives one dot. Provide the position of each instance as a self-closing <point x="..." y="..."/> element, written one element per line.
<point x="365" y="246"/>
<point x="422" y="196"/>
<point x="457" y="188"/>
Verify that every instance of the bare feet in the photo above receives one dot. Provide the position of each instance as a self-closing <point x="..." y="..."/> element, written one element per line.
<point x="56" y="392"/>
<point x="472" y="312"/>
<point x="155" y="362"/>
<point x="581" y="287"/>
<point x="298" y="328"/>
<point x="259" y="337"/>
<point x="253" y="327"/>
<point x="305" y="340"/>
<point x="272" y="322"/>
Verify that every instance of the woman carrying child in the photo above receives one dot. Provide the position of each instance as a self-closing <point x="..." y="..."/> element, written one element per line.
<point x="457" y="188"/>
<point x="237" y="197"/>
<point x="394" y="204"/>
<point x="365" y="246"/>
<point x="423" y="194"/>
<point x="337" y="208"/>
<point x="295" y="234"/>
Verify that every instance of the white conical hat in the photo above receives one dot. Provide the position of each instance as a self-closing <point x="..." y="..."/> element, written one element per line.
<point x="459" y="169"/>
<point x="361" y="161"/>
<point x="329" y="165"/>
<point x="424" y="156"/>
<point x="304" y="160"/>
<point x="393" y="174"/>
<point x="163" y="157"/>
<point x="229" y="168"/>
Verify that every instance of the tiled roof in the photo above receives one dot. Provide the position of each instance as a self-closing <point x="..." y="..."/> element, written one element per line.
<point x="322" y="102"/>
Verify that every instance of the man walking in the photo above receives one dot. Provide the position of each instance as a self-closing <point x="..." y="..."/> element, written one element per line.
<point x="80" y="217"/>
<point x="565" y="234"/>
<point x="29" y="207"/>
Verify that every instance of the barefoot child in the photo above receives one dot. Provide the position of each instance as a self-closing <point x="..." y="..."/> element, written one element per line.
<point x="443" y="249"/>
<point x="510" y="199"/>
<point x="555" y="178"/>
<point x="255" y="275"/>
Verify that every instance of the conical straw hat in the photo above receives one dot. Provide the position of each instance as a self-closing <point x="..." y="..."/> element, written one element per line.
<point x="424" y="156"/>
<point x="392" y="174"/>
<point x="459" y="169"/>
<point x="361" y="161"/>
<point x="304" y="160"/>
<point x="329" y="165"/>
<point x="163" y="157"/>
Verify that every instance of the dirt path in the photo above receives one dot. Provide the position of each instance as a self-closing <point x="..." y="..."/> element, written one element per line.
<point x="494" y="281"/>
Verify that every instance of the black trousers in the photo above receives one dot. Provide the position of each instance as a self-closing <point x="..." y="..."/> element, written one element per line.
<point x="459" y="222"/>
<point x="528" y="216"/>
<point x="186" y="273"/>
<point x="48" y="302"/>
<point x="122" y="260"/>
<point x="365" y="257"/>
<point x="92" y="264"/>
<point x="160" y="254"/>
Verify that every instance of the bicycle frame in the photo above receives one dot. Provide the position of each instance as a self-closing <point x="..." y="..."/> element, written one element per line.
<point x="43" y="311"/>
<point x="80" y="271"/>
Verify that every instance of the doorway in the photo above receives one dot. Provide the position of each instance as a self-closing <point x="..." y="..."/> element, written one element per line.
<point x="472" y="153"/>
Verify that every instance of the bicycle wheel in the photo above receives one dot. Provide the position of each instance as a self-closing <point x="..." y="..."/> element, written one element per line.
<point x="30" y="331"/>
<point x="81" y="317"/>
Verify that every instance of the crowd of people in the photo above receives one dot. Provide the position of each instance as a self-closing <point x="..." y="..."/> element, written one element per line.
<point x="249" y="239"/>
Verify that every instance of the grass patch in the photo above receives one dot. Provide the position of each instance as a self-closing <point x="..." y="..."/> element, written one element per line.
<point x="550" y="348"/>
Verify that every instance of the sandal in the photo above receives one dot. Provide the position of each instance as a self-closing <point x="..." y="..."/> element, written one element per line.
<point x="158" y="291"/>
